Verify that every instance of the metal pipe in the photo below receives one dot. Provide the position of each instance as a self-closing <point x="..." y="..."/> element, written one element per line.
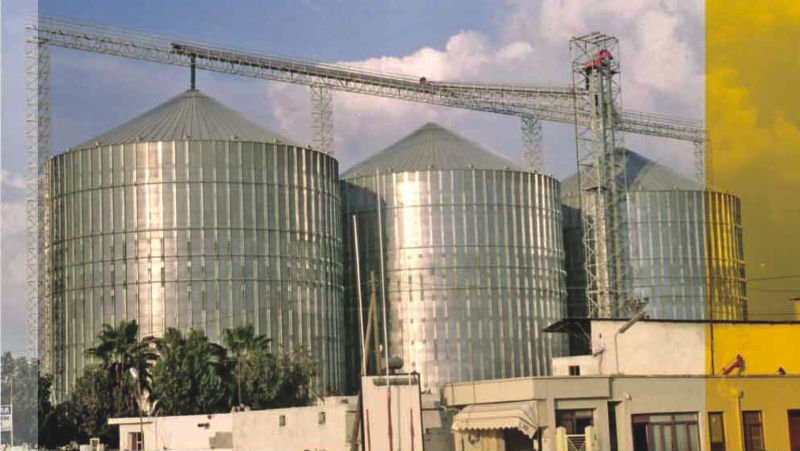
<point x="358" y="294"/>
<point x="382" y="274"/>
<point x="383" y="305"/>
<point x="193" y="72"/>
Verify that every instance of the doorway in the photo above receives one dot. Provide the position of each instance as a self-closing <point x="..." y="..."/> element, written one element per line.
<point x="516" y="441"/>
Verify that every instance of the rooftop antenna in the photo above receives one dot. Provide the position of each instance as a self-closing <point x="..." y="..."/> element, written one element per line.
<point x="193" y="72"/>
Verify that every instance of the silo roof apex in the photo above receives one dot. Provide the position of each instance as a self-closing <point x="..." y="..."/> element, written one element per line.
<point x="189" y="115"/>
<point x="432" y="146"/>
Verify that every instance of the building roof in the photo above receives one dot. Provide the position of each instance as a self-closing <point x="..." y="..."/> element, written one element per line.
<point x="432" y="147"/>
<point x="643" y="174"/>
<point x="580" y="325"/>
<point x="190" y="115"/>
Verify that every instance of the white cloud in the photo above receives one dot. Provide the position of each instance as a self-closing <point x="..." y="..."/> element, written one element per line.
<point x="662" y="72"/>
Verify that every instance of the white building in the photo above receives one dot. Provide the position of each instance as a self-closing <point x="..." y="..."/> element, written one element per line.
<point x="328" y="425"/>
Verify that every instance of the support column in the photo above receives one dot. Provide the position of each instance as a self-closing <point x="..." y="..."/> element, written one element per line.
<point x="37" y="153"/>
<point x="322" y="118"/>
<point x="532" y="143"/>
<point x="702" y="162"/>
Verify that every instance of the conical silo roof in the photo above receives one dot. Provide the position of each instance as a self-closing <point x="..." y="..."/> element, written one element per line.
<point x="432" y="147"/>
<point x="191" y="115"/>
<point x="643" y="174"/>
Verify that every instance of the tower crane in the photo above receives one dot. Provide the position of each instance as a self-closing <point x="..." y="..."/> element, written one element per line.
<point x="591" y="104"/>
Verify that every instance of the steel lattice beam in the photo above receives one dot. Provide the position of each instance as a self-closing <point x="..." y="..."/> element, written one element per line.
<point x="532" y="143"/>
<point x="322" y="118"/>
<point x="553" y="104"/>
<point x="597" y="122"/>
<point x="37" y="149"/>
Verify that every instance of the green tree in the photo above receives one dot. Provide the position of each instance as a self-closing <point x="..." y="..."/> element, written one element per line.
<point x="189" y="376"/>
<point x="273" y="381"/>
<point x="296" y="370"/>
<point x="56" y="424"/>
<point x="119" y="349"/>
<point x="20" y="389"/>
<point x="243" y="345"/>
<point x="91" y="403"/>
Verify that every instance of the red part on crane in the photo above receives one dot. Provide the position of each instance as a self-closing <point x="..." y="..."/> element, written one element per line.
<point x="738" y="362"/>
<point x="601" y="59"/>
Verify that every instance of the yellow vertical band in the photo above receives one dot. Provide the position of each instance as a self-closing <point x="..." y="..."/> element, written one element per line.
<point x="753" y="122"/>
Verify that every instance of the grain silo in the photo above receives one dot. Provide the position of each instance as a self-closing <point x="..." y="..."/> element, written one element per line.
<point x="191" y="215"/>
<point x="472" y="254"/>
<point x="683" y="254"/>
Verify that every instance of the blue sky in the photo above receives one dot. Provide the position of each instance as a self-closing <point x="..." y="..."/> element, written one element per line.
<point x="520" y="41"/>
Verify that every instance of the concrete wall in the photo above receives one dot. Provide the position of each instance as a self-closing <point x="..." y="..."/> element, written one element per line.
<point x="551" y="393"/>
<point x="631" y="395"/>
<point x="772" y="396"/>
<point x="304" y="429"/>
<point x="392" y="412"/>
<point x="491" y="440"/>
<point x="663" y="348"/>
<point x="523" y="389"/>
<point x="764" y="347"/>
<point x="654" y="395"/>
<point x="190" y="432"/>
<point x="589" y="365"/>
<point x="649" y="348"/>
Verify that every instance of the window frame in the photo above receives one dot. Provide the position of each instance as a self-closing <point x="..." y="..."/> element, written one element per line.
<point x="673" y="423"/>
<point x="573" y="416"/>
<point x="747" y="431"/>
<point x="716" y="446"/>
<point x="135" y="441"/>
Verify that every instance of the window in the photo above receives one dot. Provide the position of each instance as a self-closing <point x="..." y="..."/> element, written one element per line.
<point x="282" y="420"/>
<point x="666" y="432"/>
<point x="716" y="431"/>
<point x="135" y="441"/>
<point x="753" y="430"/>
<point x="574" y="421"/>
<point x="574" y="370"/>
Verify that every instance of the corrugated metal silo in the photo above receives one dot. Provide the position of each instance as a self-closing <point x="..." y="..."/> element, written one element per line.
<point x="191" y="215"/>
<point x="472" y="257"/>
<point x="684" y="246"/>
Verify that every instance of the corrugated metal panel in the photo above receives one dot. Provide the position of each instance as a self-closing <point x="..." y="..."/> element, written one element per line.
<point x="191" y="115"/>
<point x="684" y="254"/>
<point x="473" y="262"/>
<point x="432" y="147"/>
<point x="200" y="234"/>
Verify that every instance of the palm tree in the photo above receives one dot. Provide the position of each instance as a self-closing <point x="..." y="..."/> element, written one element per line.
<point x="189" y="373"/>
<point x="242" y="342"/>
<point x="119" y="349"/>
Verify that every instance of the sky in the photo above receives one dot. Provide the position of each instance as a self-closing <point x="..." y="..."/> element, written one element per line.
<point x="519" y="41"/>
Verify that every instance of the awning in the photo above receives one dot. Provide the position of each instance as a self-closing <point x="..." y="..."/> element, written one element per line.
<point x="520" y="415"/>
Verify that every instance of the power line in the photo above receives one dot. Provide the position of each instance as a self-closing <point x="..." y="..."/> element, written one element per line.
<point x="789" y="276"/>
<point x="776" y="290"/>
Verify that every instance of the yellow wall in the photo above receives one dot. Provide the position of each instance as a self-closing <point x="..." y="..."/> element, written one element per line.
<point x="753" y="121"/>
<point x="771" y="395"/>
<point x="765" y="347"/>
